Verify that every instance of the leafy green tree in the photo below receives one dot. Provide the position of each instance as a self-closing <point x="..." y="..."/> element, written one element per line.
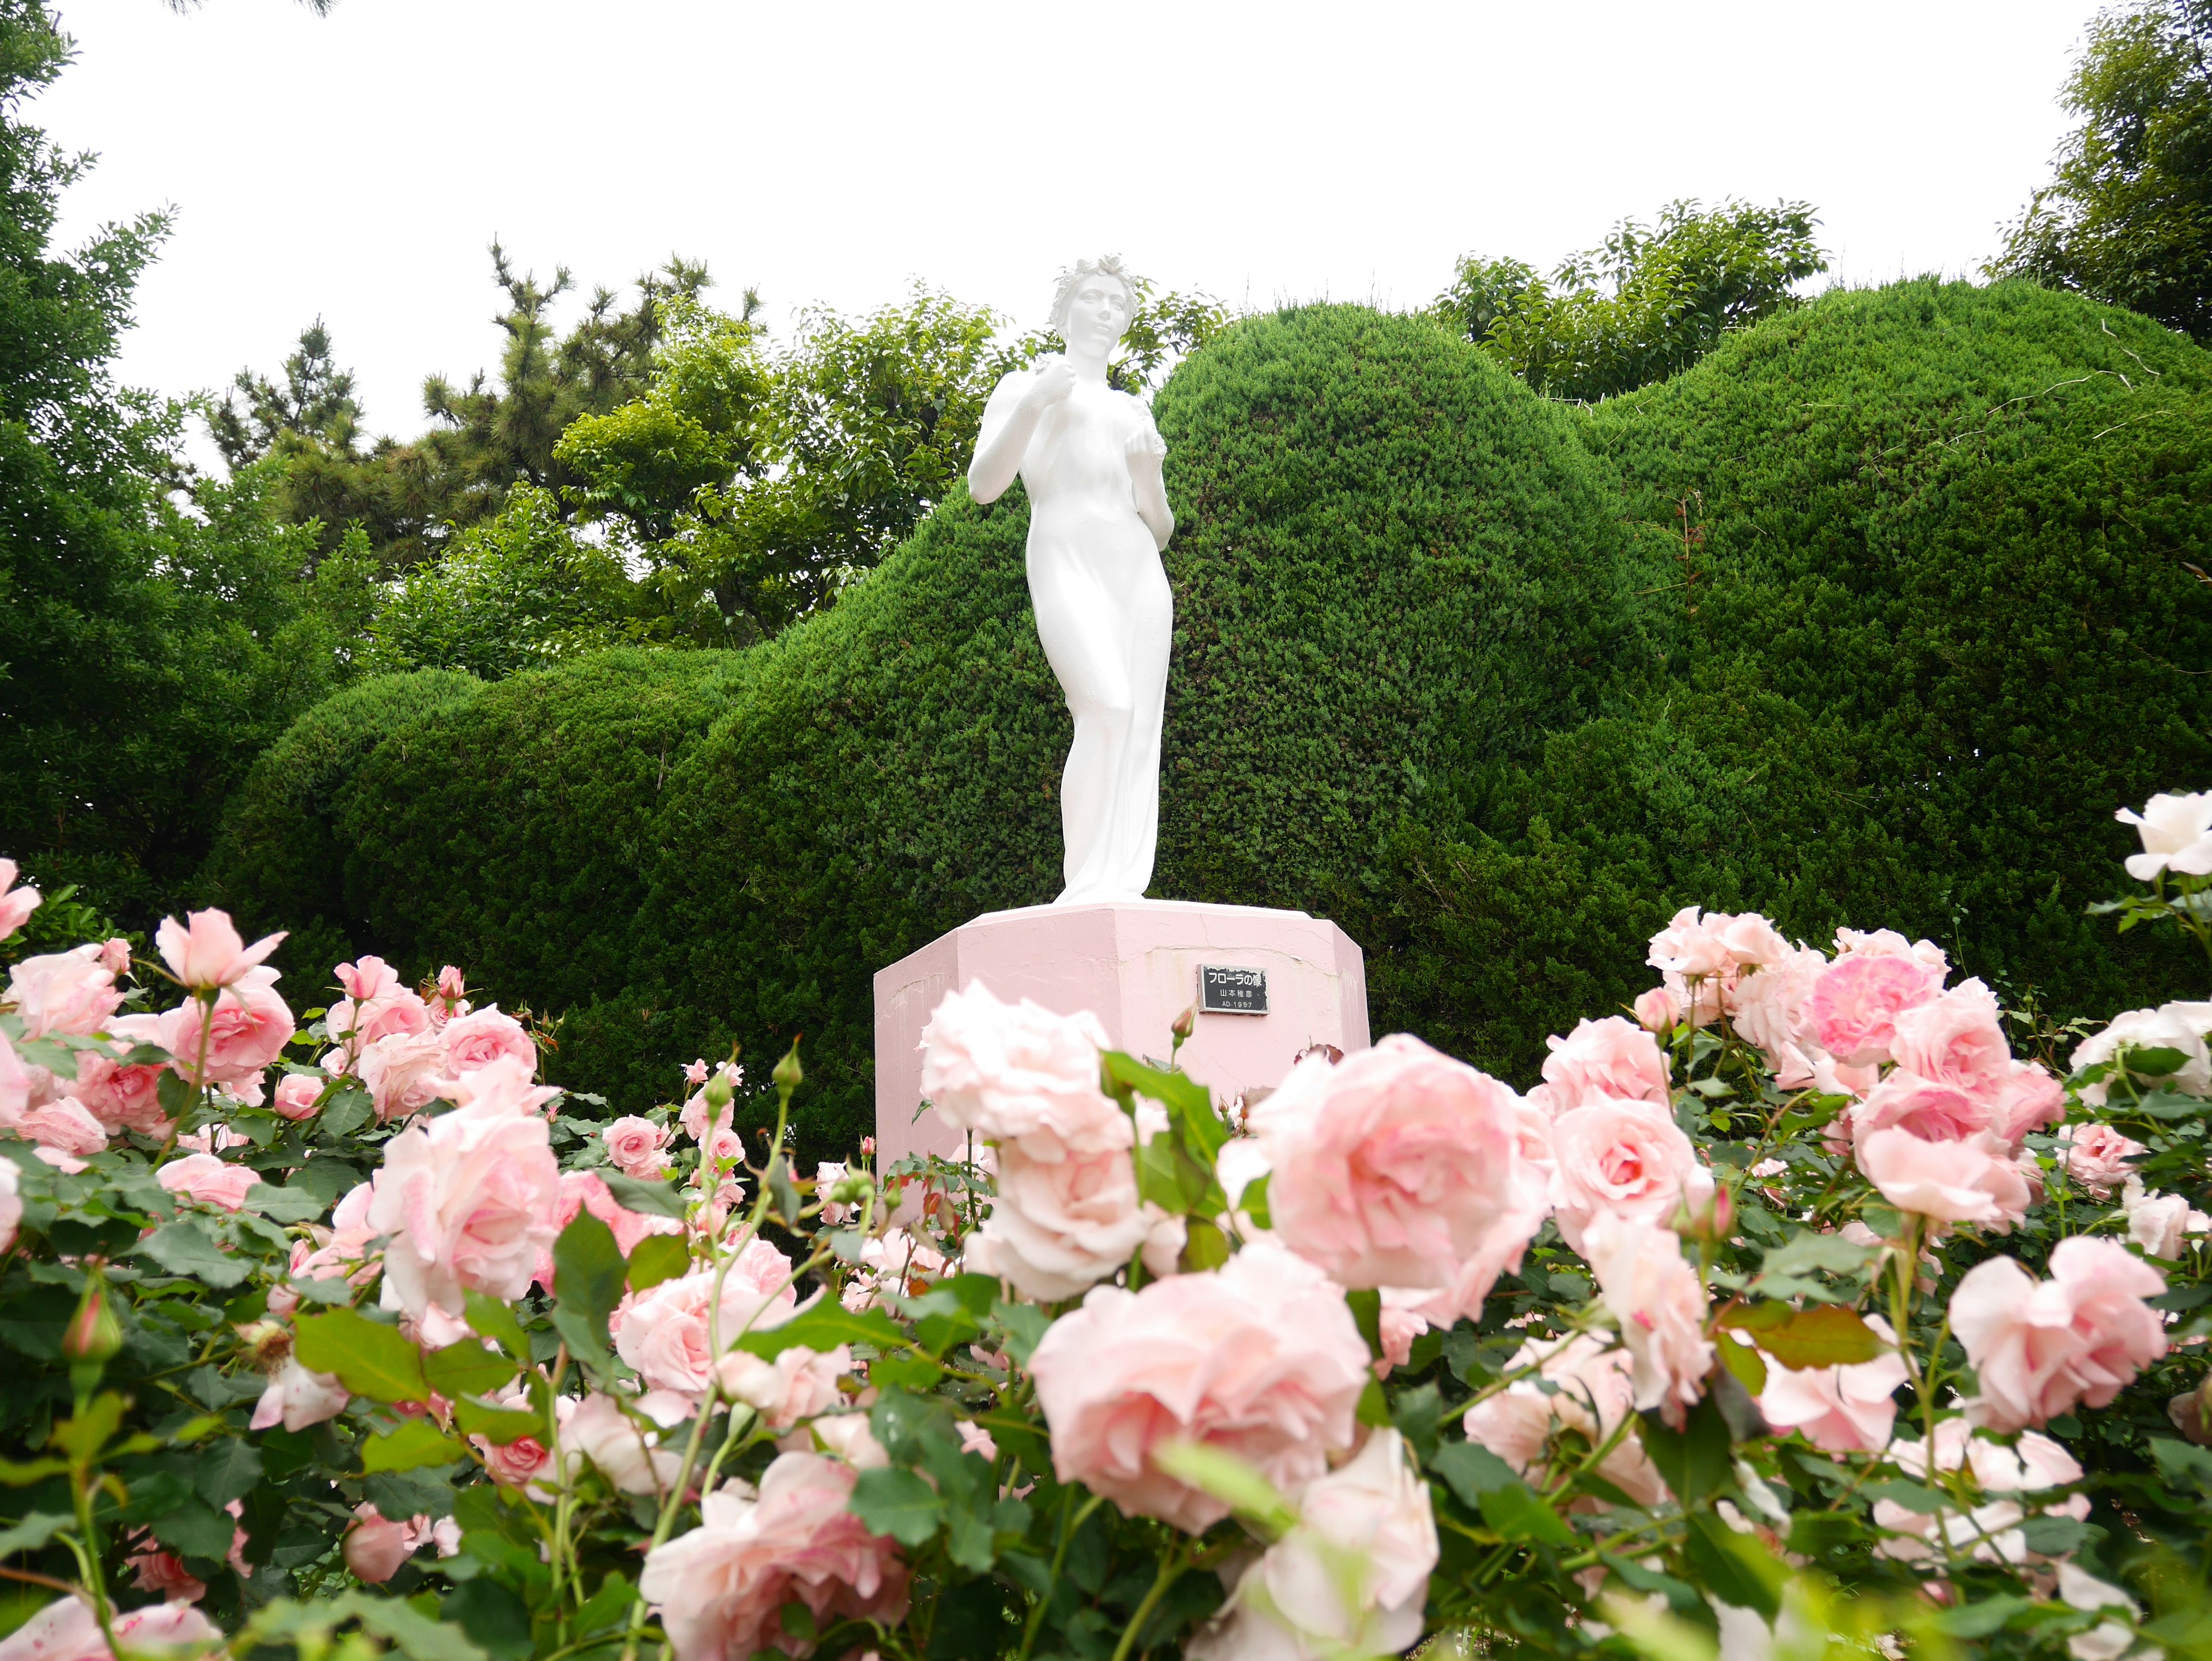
<point x="1646" y="303"/>
<point x="2127" y="218"/>
<point x="146" y="652"/>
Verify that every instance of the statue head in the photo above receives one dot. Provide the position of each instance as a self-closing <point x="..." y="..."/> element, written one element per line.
<point x="1093" y="304"/>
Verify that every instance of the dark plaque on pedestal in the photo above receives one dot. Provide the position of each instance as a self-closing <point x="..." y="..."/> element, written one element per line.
<point x="1231" y="991"/>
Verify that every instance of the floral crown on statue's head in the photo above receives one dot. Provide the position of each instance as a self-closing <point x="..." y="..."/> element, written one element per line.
<point x="1108" y="264"/>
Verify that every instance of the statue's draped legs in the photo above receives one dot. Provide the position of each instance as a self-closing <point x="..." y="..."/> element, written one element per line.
<point x="1107" y="637"/>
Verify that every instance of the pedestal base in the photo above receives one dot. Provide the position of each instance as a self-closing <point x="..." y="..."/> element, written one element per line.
<point x="1135" y="966"/>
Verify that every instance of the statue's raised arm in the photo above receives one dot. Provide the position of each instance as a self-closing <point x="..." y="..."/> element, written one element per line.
<point x="1090" y="458"/>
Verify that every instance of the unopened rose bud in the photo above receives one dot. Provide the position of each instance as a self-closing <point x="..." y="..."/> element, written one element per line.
<point x="1185" y="1024"/>
<point x="1656" y="1011"/>
<point x="788" y="1074"/>
<point x="717" y="1094"/>
<point x="92" y="1335"/>
<point x="852" y="1189"/>
<point x="1706" y="1212"/>
<point x="867" y="1147"/>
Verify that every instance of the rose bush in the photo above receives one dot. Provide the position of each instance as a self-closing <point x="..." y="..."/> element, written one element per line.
<point x="1799" y="1314"/>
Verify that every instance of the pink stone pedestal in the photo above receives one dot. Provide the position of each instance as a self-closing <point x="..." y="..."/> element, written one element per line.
<point x="1134" y="965"/>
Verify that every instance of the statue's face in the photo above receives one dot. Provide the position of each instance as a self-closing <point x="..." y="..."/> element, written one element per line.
<point x="1097" y="315"/>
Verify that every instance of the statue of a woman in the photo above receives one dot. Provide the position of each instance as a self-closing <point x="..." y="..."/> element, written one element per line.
<point x="1098" y="519"/>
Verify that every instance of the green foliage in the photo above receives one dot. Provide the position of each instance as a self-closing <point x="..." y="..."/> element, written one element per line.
<point x="1645" y="304"/>
<point x="2128" y="217"/>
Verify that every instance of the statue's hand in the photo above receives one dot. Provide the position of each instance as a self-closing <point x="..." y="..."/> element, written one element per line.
<point x="1054" y="382"/>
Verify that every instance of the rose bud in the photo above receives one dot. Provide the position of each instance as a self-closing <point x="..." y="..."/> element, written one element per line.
<point x="1706" y="1212"/>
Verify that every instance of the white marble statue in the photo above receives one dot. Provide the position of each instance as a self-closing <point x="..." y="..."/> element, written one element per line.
<point x="1098" y="519"/>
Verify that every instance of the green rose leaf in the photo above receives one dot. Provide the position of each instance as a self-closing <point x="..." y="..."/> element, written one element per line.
<point x="898" y="1503"/>
<point x="467" y="1369"/>
<point x="184" y="1247"/>
<point x="370" y="1359"/>
<point x="412" y="1445"/>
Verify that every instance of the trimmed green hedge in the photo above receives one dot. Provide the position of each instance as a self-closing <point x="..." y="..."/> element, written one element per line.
<point x="1442" y="673"/>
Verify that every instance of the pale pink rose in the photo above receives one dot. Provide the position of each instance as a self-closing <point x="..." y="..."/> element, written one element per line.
<point x="1056" y="1228"/>
<point x="376" y="1006"/>
<point x="663" y="1332"/>
<point x="1352" y="1577"/>
<point x="1260" y="1357"/>
<point x="14" y="1083"/>
<point x="827" y="1173"/>
<point x="722" y="1588"/>
<point x="297" y="1398"/>
<point x="2159" y="1223"/>
<point x="452" y="991"/>
<point x="1692" y="945"/>
<point x="210" y="1181"/>
<point x="2097" y="1156"/>
<point x="162" y="1572"/>
<point x="1020" y="1075"/>
<point x="209" y="952"/>
<point x="12" y="1202"/>
<point x="251" y="1027"/>
<point x="1610" y="1058"/>
<point x="798" y="1385"/>
<point x="16" y="904"/>
<point x="72" y="992"/>
<point x="478" y="1039"/>
<point x="1956" y="1037"/>
<point x="297" y="1094"/>
<point x="67" y="1630"/>
<point x="2027" y="1098"/>
<point x="1889" y="943"/>
<point x="1661" y="1306"/>
<point x="633" y="1147"/>
<point x="1832" y="1078"/>
<point x="340" y="1248"/>
<point x="2043" y="1348"/>
<point x="624" y="1448"/>
<point x="375" y="1547"/>
<point x="366" y="981"/>
<point x="1853" y="1007"/>
<point x="848" y="1436"/>
<point x="123" y="1098"/>
<point x="1931" y="1110"/>
<point x="404" y="1073"/>
<point x="585" y="1191"/>
<point x="115" y="953"/>
<point x="521" y="1462"/>
<point x="2038" y="1462"/>
<point x="694" y="1117"/>
<point x="973" y="1438"/>
<point x="1399" y="1167"/>
<point x="1951" y="1437"/>
<point x="2179" y="1026"/>
<point x="894" y="1262"/>
<point x="1767" y="1009"/>
<point x="470" y="1199"/>
<point x="1844" y="1409"/>
<point x="695" y="1073"/>
<point x="1166" y="1234"/>
<point x="1397" y="1324"/>
<point x="1594" y="1391"/>
<point x="2177" y="836"/>
<point x="63" y="1126"/>
<point x="502" y="1083"/>
<point x="1620" y="1158"/>
<point x="1658" y="1010"/>
<point x="1971" y="1180"/>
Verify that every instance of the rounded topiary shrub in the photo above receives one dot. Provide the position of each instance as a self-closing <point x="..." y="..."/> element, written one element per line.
<point x="280" y="859"/>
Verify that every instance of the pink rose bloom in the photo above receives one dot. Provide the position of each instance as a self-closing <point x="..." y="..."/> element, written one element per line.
<point x="1596" y="1391"/>
<point x="297" y="1398"/>
<point x="1853" y="1009"/>
<point x="1767" y="1009"/>
<point x="585" y="1190"/>
<point x="1692" y="945"/>
<point x="12" y="1202"/>
<point x="63" y="1125"/>
<point x="502" y="1083"/>
<point x="2027" y="1098"/>
<point x="2177" y="836"/>
<point x="663" y="1333"/>
<point x="693" y="1118"/>
<point x="2159" y="1223"/>
<point x="1621" y="1159"/>
<point x="72" y="992"/>
<point x="1260" y="1357"/>
<point x="847" y="1435"/>
<point x="484" y="1036"/>
<point x="623" y="1451"/>
<point x="1657" y="1010"/>
<point x="366" y="981"/>
<point x="1351" y="1578"/>
<point x="1057" y="1228"/>
<point x="722" y="1588"/>
<point x="210" y="1181"/>
<point x="470" y="1199"/>
<point x="125" y="1097"/>
<point x="14" y="1083"/>
<point x="403" y="1072"/>
<point x="209" y="952"/>
<point x="521" y="1462"/>
<point x="1933" y="1110"/>
<point x="251" y="1027"/>
<point x="1844" y="1409"/>
<point x="1399" y="1167"/>
<point x="1661" y="1306"/>
<point x="376" y="1006"/>
<point x="1971" y="1180"/>
<point x="1610" y="1058"/>
<point x="895" y="1262"/>
<point x="1955" y="1037"/>
<point x="695" y="1073"/>
<point x="162" y="1572"/>
<point x="1889" y="943"/>
<point x="297" y="1094"/>
<point x="375" y="1547"/>
<point x="2043" y="1348"/>
<point x="2038" y="1462"/>
<point x="67" y="1630"/>
<point x="16" y="904"/>
<point x="453" y="995"/>
<point x="633" y="1147"/>
<point x="2096" y="1156"/>
<point x="798" y="1385"/>
<point x="2179" y="1026"/>
<point x="1018" y="1074"/>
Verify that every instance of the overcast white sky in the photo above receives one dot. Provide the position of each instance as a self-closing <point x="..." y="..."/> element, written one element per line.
<point x="356" y="167"/>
